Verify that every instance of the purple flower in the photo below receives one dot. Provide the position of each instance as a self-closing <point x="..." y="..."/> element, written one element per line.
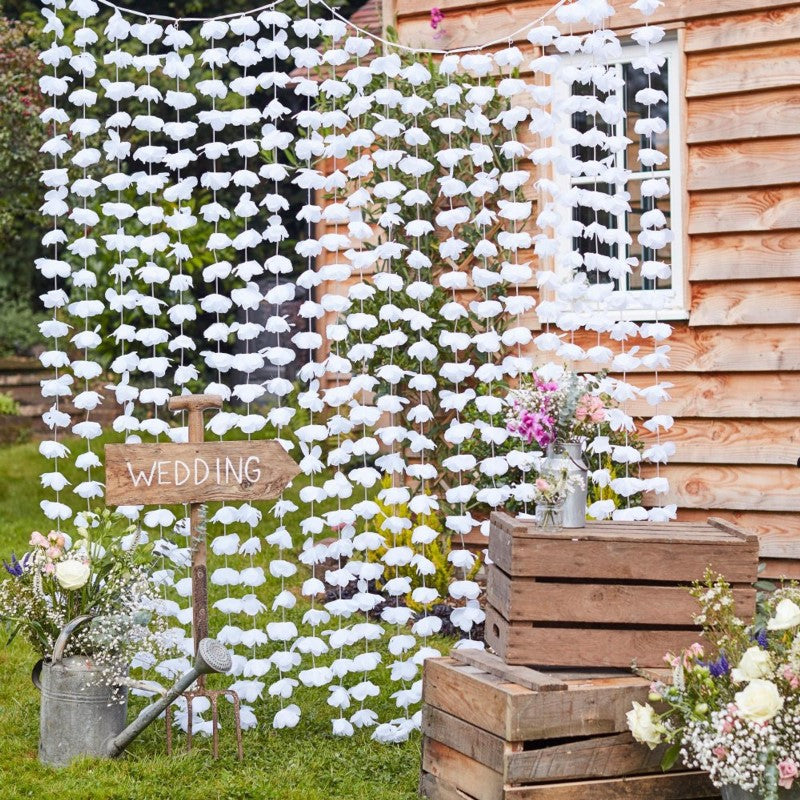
<point x="719" y="667"/>
<point x="16" y="567"/>
<point x="761" y="639"/>
<point x="436" y="17"/>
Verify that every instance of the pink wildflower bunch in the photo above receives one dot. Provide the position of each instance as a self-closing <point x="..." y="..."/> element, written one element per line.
<point x="47" y="549"/>
<point x="545" y="411"/>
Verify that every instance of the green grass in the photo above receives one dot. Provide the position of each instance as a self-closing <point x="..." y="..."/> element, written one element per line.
<point x="306" y="763"/>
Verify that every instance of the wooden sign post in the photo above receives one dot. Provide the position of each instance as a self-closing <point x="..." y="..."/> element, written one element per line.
<point x="195" y="473"/>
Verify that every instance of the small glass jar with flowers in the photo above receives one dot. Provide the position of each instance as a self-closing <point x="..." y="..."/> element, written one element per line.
<point x="732" y="707"/>
<point x="550" y="490"/>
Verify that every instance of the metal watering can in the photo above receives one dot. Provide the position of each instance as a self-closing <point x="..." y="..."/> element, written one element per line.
<point x="81" y="715"/>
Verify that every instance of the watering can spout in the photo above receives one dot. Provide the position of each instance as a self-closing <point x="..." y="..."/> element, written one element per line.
<point x="211" y="657"/>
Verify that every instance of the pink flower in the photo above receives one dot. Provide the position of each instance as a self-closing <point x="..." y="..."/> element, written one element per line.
<point x="542" y="485"/>
<point x="787" y="770"/>
<point x="49" y="569"/>
<point x="695" y="651"/>
<point x="53" y="552"/>
<point x="727" y="726"/>
<point x="720" y="752"/>
<point x="590" y="408"/>
<point x="38" y="540"/>
<point x="790" y="677"/>
<point x="436" y="20"/>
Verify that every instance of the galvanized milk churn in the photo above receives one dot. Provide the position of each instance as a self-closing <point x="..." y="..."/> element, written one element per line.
<point x="80" y="711"/>
<point x="569" y="456"/>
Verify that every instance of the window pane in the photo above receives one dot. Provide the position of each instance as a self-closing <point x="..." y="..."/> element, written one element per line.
<point x="640" y="205"/>
<point x="635" y="79"/>
<point x="583" y="122"/>
<point x="590" y="243"/>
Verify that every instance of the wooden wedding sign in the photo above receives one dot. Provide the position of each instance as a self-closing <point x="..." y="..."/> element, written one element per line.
<point x="138" y="474"/>
<point x="195" y="473"/>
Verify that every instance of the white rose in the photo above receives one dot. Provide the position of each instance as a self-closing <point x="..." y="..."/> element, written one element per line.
<point x="642" y="724"/>
<point x="755" y="663"/>
<point x="787" y="615"/>
<point x="759" y="701"/>
<point x="72" y="574"/>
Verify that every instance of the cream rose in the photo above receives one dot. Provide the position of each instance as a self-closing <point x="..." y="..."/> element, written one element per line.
<point x="755" y="663"/>
<point x="787" y="615"/>
<point x="72" y="574"/>
<point x="759" y="701"/>
<point x="642" y="724"/>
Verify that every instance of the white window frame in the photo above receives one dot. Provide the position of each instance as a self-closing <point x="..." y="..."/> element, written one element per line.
<point x="678" y="307"/>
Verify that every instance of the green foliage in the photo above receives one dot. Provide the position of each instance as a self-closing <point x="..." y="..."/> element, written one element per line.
<point x="8" y="405"/>
<point x="19" y="326"/>
<point x="21" y="135"/>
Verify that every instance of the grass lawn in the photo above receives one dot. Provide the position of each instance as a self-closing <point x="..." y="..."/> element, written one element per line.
<point x="306" y="763"/>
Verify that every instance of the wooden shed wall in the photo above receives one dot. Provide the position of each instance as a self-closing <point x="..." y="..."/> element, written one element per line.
<point x="736" y="363"/>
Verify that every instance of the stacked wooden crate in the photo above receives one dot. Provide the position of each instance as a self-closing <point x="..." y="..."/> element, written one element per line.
<point x="494" y="732"/>
<point x="608" y="594"/>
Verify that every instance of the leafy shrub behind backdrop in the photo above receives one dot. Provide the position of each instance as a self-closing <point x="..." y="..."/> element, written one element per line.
<point x="20" y="161"/>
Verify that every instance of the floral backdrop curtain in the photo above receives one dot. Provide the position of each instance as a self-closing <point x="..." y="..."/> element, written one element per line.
<point x="363" y="248"/>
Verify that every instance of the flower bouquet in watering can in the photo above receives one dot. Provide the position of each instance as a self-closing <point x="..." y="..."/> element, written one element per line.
<point x="733" y="706"/>
<point x="87" y="605"/>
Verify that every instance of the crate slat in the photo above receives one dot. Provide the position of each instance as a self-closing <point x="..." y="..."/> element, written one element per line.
<point x="436" y="789"/>
<point x="680" y="786"/>
<point x="471" y="741"/>
<point x="529" y="599"/>
<point x="599" y="757"/>
<point x="583" y="647"/>
<point x="637" y="559"/>
<point x="522" y="676"/>
<point x="455" y="768"/>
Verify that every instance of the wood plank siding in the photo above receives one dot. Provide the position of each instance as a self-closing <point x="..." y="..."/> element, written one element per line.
<point x="735" y="363"/>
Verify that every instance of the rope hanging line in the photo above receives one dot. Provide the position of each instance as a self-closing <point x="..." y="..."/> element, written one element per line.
<point x="165" y="18"/>
<point x="420" y="50"/>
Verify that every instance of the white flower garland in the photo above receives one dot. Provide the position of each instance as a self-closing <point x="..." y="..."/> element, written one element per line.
<point x="358" y="426"/>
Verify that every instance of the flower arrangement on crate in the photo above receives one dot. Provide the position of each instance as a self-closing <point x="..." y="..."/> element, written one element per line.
<point x="734" y="712"/>
<point x="104" y="573"/>
<point x="562" y="409"/>
<point x="559" y="411"/>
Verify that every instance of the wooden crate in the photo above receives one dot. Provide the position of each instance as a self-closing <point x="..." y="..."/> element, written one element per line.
<point x="608" y="594"/>
<point x="494" y="732"/>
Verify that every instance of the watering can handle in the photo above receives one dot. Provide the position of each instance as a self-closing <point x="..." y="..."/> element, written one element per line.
<point x="67" y="631"/>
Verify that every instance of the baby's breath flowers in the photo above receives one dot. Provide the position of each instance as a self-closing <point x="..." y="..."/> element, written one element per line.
<point x="104" y="571"/>
<point x="733" y="706"/>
